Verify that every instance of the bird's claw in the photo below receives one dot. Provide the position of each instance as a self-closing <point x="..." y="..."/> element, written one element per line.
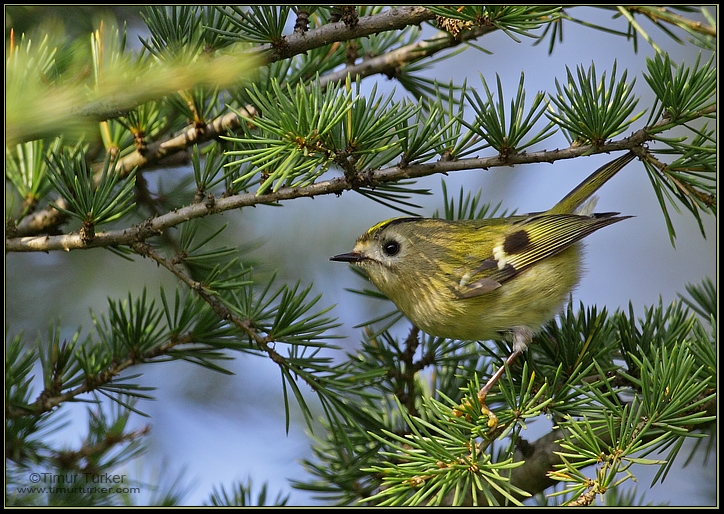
<point x="492" y="418"/>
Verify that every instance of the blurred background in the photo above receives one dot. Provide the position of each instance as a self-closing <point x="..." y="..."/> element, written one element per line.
<point x="213" y="430"/>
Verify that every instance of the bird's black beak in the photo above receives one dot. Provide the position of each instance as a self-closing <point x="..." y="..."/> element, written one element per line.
<point x="348" y="257"/>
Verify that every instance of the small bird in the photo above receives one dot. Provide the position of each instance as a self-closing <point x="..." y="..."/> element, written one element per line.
<point x="489" y="278"/>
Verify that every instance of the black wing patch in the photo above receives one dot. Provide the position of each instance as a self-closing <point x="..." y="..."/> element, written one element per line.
<point x="516" y="242"/>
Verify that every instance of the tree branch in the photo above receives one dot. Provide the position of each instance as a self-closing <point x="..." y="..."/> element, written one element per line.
<point x="264" y="343"/>
<point x="659" y="14"/>
<point x="48" y="400"/>
<point x="392" y="19"/>
<point x="389" y="63"/>
<point x="70" y="459"/>
<point x="155" y="226"/>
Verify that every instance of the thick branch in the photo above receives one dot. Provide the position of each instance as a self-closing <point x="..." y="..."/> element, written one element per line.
<point x="392" y="19"/>
<point x="155" y="226"/>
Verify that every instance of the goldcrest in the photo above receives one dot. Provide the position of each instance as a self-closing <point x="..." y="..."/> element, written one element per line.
<point x="488" y="278"/>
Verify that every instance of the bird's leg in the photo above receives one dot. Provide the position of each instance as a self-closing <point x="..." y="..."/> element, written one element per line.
<point x="522" y="337"/>
<point x="483" y="393"/>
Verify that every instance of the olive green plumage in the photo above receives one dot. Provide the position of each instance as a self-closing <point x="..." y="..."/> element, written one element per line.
<point x="480" y="279"/>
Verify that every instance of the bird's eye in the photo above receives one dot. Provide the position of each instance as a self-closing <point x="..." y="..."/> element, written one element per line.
<point x="391" y="248"/>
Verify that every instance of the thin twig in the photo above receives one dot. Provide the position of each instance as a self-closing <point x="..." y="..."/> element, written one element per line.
<point x="47" y="400"/>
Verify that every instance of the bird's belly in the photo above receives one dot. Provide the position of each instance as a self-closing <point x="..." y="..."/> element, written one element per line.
<point x="484" y="317"/>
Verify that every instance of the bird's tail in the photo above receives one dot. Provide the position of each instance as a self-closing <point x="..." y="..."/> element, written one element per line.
<point x="573" y="200"/>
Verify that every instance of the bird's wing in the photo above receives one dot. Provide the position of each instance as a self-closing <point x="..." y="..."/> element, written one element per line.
<point x="526" y="243"/>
